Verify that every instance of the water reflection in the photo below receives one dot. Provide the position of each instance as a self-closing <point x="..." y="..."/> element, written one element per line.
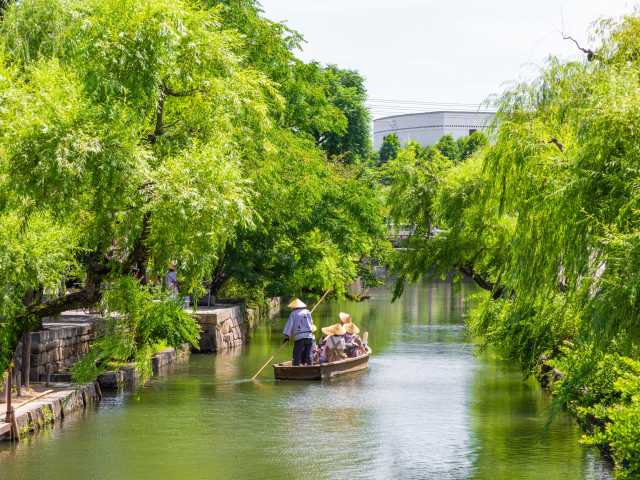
<point x="428" y="408"/>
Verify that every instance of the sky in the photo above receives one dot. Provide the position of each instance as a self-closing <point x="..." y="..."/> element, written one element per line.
<point x="421" y="55"/>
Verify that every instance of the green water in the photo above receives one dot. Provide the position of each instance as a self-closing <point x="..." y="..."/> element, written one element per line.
<point x="429" y="407"/>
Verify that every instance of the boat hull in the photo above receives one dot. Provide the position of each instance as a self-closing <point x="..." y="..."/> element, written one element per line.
<point x="286" y="371"/>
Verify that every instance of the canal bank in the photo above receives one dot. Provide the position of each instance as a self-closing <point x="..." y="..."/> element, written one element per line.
<point x="44" y="407"/>
<point x="430" y="406"/>
<point x="49" y="396"/>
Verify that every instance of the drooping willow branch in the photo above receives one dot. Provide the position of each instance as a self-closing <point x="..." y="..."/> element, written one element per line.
<point x="166" y="91"/>
<point x="590" y="53"/>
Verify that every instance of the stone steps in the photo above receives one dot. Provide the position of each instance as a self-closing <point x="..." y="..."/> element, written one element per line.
<point x="61" y="377"/>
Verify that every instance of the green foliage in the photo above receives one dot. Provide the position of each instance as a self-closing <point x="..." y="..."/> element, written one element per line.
<point x="520" y="334"/>
<point x="603" y="390"/>
<point x="389" y="148"/>
<point x="545" y="218"/>
<point x="467" y="146"/>
<point x="348" y="93"/>
<point x="137" y="319"/>
<point x="326" y="103"/>
<point x="416" y="173"/>
<point x="448" y="147"/>
<point x="462" y="148"/>
<point x="314" y="223"/>
<point x="135" y="133"/>
<point x="36" y="250"/>
<point x="429" y="190"/>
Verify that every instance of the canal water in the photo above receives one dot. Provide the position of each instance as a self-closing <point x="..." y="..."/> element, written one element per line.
<point x="430" y="407"/>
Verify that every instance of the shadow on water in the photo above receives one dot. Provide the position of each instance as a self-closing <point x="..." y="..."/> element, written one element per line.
<point x="429" y="407"/>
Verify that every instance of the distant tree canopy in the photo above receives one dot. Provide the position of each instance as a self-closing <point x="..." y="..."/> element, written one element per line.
<point x="389" y="148"/>
<point x="327" y="103"/>
<point x="348" y="94"/>
<point x="455" y="150"/>
<point x="546" y="219"/>
<point x="134" y="133"/>
<point x="413" y="176"/>
<point x="468" y="145"/>
<point x="448" y="147"/>
<point x="463" y="147"/>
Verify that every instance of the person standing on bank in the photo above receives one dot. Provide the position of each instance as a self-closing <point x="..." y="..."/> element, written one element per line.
<point x="300" y="326"/>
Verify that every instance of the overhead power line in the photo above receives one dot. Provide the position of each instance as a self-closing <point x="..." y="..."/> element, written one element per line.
<point x="386" y="106"/>
<point x="388" y="101"/>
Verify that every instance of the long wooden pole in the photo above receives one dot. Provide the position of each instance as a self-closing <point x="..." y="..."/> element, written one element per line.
<point x="320" y="301"/>
<point x="282" y="346"/>
<point x="268" y="361"/>
<point x="46" y="392"/>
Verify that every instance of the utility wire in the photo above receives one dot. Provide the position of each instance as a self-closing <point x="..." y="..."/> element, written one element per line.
<point x="417" y="102"/>
<point x="386" y="106"/>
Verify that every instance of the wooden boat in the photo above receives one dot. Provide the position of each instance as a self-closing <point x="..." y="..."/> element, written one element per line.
<point x="322" y="371"/>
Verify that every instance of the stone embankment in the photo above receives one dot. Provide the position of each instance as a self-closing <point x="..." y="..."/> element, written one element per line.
<point x="47" y="408"/>
<point x="61" y="343"/>
<point x="227" y="325"/>
<point x="221" y="328"/>
<point x="162" y="363"/>
<point x="64" y="340"/>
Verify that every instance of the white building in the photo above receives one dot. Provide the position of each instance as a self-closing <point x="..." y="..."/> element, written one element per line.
<point x="427" y="128"/>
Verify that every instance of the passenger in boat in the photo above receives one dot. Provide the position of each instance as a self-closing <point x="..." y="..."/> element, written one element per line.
<point x="333" y="345"/>
<point x="353" y="343"/>
<point x="300" y="326"/>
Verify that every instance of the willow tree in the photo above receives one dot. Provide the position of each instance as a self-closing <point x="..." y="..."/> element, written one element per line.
<point x="318" y="220"/>
<point x="121" y="129"/>
<point x="546" y="219"/>
<point x="139" y="133"/>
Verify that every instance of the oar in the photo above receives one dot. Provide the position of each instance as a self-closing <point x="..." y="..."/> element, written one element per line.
<point x="282" y="346"/>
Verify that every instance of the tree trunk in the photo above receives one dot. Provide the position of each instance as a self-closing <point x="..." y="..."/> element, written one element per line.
<point x="26" y="358"/>
<point x="8" y="393"/>
<point x="480" y="281"/>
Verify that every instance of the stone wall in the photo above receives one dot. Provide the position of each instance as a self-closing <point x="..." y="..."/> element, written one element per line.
<point x="58" y="348"/>
<point x="227" y="325"/>
<point x="128" y="377"/>
<point x="222" y="327"/>
<point x="35" y="415"/>
<point x="65" y="339"/>
<point x="60" y="343"/>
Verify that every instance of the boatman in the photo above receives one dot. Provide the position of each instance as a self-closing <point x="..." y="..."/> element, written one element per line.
<point x="300" y="326"/>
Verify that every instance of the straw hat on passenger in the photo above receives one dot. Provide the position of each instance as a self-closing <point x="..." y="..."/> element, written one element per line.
<point x="336" y="329"/>
<point x="344" y="317"/>
<point x="297" y="303"/>
<point x="352" y="328"/>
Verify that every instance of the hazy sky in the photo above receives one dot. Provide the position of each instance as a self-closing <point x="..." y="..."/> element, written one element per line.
<point x="457" y="51"/>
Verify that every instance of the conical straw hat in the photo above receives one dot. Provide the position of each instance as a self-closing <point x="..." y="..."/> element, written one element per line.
<point x="336" y="329"/>
<point x="352" y="328"/>
<point x="297" y="303"/>
<point x="344" y="317"/>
